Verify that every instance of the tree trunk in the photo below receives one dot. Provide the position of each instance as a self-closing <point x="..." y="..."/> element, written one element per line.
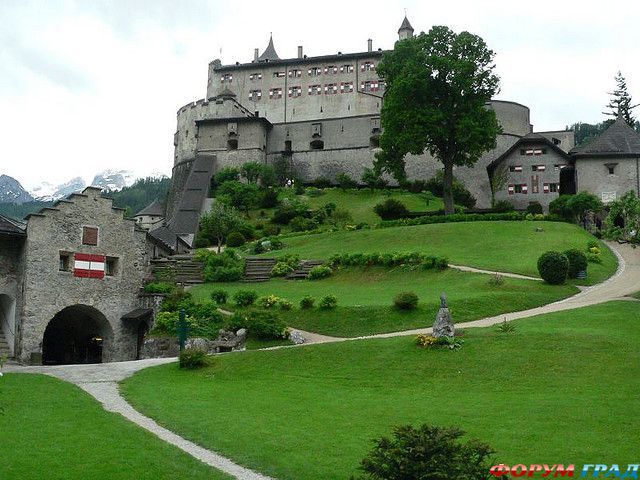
<point x="219" y="244"/>
<point x="447" y="182"/>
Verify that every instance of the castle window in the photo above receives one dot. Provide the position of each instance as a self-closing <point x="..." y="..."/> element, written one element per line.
<point x="367" y="66"/>
<point x="314" y="71"/>
<point x="533" y="151"/>
<point x="538" y="168"/>
<point x="316" y="130"/>
<point x="255" y="95"/>
<point x="550" y="187"/>
<point x="346" y="69"/>
<point x="255" y="76"/>
<point x="90" y="235"/>
<point x="295" y="73"/>
<point x="65" y="262"/>
<point x="295" y="92"/>
<point x="346" y="87"/>
<point x="330" y="88"/>
<point x="515" y="168"/>
<point x="226" y="78"/>
<point x="315" y="89"/>
<point x="275" y="93"/>
<point x="611" y="168"/>
<point x="316" y="144"/>
<point x="111" y="266"/>
<point x="369" y="86"/>
<point x="331" y="69"/>
<point x="287" y="145"/>
<point x="232" y="144"/>
<point x="278" y="74"/>
<point x="517" y="188"/>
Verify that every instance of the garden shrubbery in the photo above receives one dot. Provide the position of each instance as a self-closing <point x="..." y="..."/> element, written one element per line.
<point x="388" y="260"/>
<point x="406" y="301"/>
<point x="245" y="298"/>
<point x="227" y="266"/>
<point x="263" y="324"/>
<point x="159" y="287"/>
<point x="553" y="267"/>
<point x="328" y="302"/>
<point x="577" y="262"/>
<point x="461" y="196"/>
<point x="236" y="239"/>
<point x="192" y="358"/>
<point x="461" y="217"/>
<point x="535" y="208"/>
<point x="220" y="296"/>
<point x="307" y="302"/>
<point x="319" y="272"/>
<point x="391" y="209"/>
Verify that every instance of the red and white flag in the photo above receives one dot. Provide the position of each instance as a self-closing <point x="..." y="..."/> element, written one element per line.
<point x="86" y="265"/>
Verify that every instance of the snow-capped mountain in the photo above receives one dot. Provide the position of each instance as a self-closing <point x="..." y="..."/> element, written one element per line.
<point x="47" y="192"/>
<point x="11" y="191"/>
<point x="113" y="179"/>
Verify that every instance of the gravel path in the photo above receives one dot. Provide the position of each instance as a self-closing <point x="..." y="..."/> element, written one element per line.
<point x="490" y="272"/>
<point x="101" y="380"/>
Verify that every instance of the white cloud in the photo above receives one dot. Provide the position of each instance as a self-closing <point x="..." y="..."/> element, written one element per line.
<point x="89" y="85"/>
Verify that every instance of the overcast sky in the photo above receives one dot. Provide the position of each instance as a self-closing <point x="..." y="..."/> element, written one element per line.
<point x="93" y="84"/>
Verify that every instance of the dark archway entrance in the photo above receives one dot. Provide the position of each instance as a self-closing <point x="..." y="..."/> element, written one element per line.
<point x="77" y="334"/>
<point x="568" y="180"/>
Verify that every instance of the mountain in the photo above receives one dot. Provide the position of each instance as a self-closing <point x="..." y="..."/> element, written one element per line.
<point x="113" y="180"/>
<point x="46" y="192"/>
<point x="12" y="192"/>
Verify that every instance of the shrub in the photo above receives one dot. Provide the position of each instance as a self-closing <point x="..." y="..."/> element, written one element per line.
<point x="389" y="260"/>
<point x="159" y="287"/>
<point x="502" y="206"/>
<point x="506" y="327"/>
<point x="269" y="198"/>
<point x="322" y="182"/>
<point x="301" y="224"/>
<point x="271" y="230"/>
<point x="203" y="321"/>
<point x="268" y="301"/>
<point x="496" y="280"/>
<point x="423" y="340"/>
<point x="222" y="274"/>
<point x="461" y="196"/>
<point x="406" y="301"/>
<point x="220" y="296"/>
<point x="244" y="298"/>
<point x="280" y="269"/>
<point x="236" y="239"/>
<point x="227" y="174"/>
<point x="285" y="304"/>
<point x="307" y="302"/>
<point x="594" y="258"/>
<point x="264" y="324"/>
<point x="329" y="208"/>
<point x="288" y="211"/>
<point x="314" y="192"/>
<point x="192" y="358"/>
<point x="391" y="209"/>
<point x="427" y="452"/>
<point x="553" y="267"/>
<point x="344" y="181"/>
<point x="577" y="262"/>
<point x="373" y="179"/>
<point x="225" y="267"/>
<point x="328" y="302"/>
<point x="534" y="208"/>
<point x="319" y="272"/>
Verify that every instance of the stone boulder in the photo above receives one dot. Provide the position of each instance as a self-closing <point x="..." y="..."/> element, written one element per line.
<point x="443" y="326"/>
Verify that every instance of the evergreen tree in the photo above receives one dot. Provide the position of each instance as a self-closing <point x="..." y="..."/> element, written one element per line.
<point x="621" y="103"/>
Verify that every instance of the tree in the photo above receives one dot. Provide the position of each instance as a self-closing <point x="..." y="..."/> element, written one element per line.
<point x="621" y="103"/>
<point x="583" y="203"/>
<point x="218" y="222"/>
<point x="427" y="452"/>
<point x="437" y="88"/>
<point x="623" y="221"/>
<point x="251" y="171"/>
<point x="498" y="180"/>
<point x="243" y="196"/>
<point x="373" y="179"/>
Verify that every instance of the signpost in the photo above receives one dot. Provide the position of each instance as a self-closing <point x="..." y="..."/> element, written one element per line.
<point x="183" y="329"/>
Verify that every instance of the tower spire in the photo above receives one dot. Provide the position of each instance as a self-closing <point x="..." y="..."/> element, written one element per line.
<point x="405" y="30"/>
<point x="269" y="53"/>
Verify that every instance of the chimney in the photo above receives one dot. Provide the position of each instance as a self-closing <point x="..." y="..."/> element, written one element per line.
<point x="299" y="51"/>
<point x="255" y="54"/>
<point x="369" y="45"/>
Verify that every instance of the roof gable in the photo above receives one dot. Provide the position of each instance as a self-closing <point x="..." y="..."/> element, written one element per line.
<point x="619" y="140"/>
<point x="531" y="138"/>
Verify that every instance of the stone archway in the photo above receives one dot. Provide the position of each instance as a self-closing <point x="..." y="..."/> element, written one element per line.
<point x="8" y="321"/>
<point x="77" y="334"/>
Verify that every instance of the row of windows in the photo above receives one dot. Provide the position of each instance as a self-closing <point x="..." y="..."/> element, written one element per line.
<point x="533" y="151"/>
<point x="312" y="72"/>
<point x="523" y="188"/>
<point x="328" y="89"/>
<point x="536" y="168"/>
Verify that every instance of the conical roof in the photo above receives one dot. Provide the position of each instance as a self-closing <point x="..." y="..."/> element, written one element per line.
<point x="269" y="53"/>
<point x="154" y="209"/>
<point x="405" y="25"/>
<point x="617" y="140"/>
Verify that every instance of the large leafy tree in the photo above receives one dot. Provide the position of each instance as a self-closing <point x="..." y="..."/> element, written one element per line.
<point x="621" y="102"/>
<point x="219" y="222"/>
<point x="437" y="88"/>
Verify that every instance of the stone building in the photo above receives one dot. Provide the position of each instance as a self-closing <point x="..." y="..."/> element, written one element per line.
<point x="70" y="280"/>
<point x="150" y="216"/>
<point x="321" y="114"/>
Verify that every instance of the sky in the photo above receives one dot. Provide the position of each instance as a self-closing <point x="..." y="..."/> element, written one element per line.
<point x="89" y="85"/>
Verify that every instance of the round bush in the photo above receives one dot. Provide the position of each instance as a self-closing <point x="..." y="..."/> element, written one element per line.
<point x="319" y="272"/>
<point x="264" y="324"/>
<point x="328" y="302"/>
<point x="577" y="262"/>
<point x="235" y="239"/>
<point x="307" y="302"/>
<point x="406" y="301"/>
<point x="220" y="296"/>
<point x="280" y="269"/>
<point x="244" y="298"/>
<point x="534" y="208"/>
<point x="553" y="267"/>
<point x="391" y="209"/>
<point x="192" y="358"/>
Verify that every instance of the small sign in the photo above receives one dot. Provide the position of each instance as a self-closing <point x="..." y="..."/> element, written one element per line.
<point x="608" y="197"/>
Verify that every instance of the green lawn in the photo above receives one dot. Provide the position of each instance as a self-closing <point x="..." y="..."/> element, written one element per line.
<point x="359" y="203"/>
<point x="560" y="389"/>
<point x="503" y="246"/>
<point x="51" y="430"/>
<point x="365" y="298"/>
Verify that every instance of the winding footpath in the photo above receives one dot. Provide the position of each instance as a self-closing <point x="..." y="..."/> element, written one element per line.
<point x="101" y="380"/>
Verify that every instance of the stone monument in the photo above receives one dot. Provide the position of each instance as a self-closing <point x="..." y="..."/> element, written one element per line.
<point x="443" y="326"/>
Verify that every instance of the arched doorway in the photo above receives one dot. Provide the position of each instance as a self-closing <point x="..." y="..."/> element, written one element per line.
<point x="567" y="180"/>
<point x="7" y="321"/>
<point x="76" y="334"/>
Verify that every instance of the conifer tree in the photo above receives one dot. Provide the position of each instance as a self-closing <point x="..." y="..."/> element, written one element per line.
<point x="621" y="102"/>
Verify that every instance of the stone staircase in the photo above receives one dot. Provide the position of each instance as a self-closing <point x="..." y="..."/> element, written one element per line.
<point x="4" y="346"/>
<point x="258" y="269"/>
<point x="182" y="269"/>
<point x="302" y="272"/>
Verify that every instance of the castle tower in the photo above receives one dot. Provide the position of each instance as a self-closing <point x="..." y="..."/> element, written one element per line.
<point x="405" y="30"/>
<point x="269" y="53"/>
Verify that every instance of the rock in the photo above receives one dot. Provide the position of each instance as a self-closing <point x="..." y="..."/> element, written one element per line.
<point x="297" y="337"/>
<point x="443" y="326"/>
<point x="199" y="343"/>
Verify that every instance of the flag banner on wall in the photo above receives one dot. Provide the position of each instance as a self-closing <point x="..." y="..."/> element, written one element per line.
<point x="86" y="265"/>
